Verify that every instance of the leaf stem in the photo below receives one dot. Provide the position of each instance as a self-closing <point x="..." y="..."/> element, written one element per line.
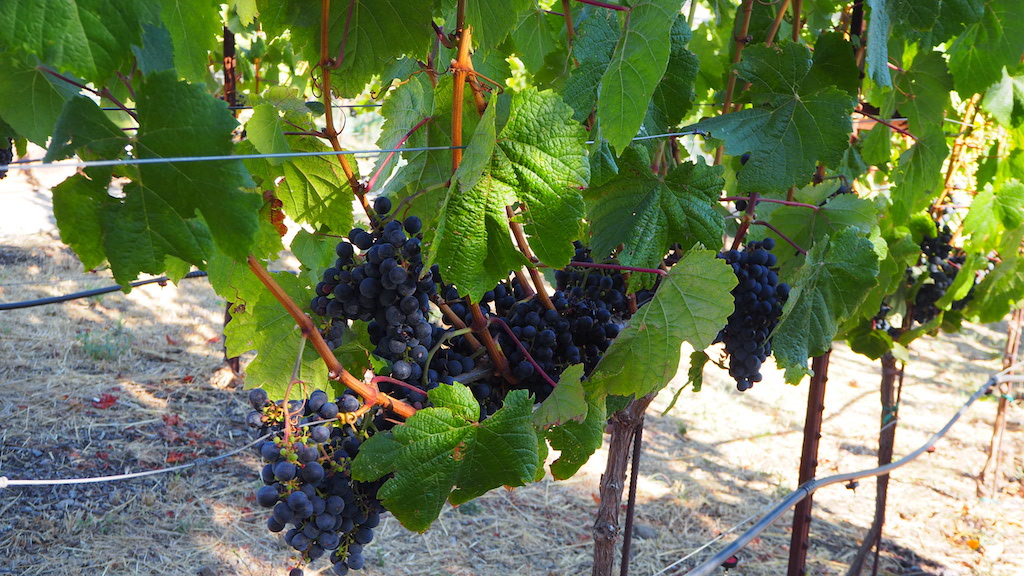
<point x="103" y="93"/>
<point x="600" y="4"/>
<point x="376" y="174"/>
<point x="657" y="271"/>
<point x="748" y="217"/>
<point x="397" y="382"/>
<point x="771" y="201"/>
<point x="781" y="235"/>
<point x="457" y="322"/>
<point x="480" y="327"/>
<point x="335" y="371"/>
<point x="526" y="353"/>
<point x="524" y="247"/>
<point x="570" y="31"/>
<point x="890" y="125"/>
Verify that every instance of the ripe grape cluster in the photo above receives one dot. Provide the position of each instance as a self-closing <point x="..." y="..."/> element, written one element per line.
<point x="307" y="486"/>
<point x="758" y="299"/>
<point x="6" y="155"/>
<point x="942" y="263"/>
<point x="377" y="278"/>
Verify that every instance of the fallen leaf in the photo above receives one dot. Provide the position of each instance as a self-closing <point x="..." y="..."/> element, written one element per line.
<point x="173" y="457"/>
<point x="170" y="340"/>
<point x="104" y="401"/>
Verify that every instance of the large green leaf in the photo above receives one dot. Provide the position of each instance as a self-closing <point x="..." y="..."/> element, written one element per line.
<point x="878" y="50"/>
<point x="270" y="330"/>
<point x="647" y="213"/>
<point x="992" y="212"/>
<point x="838" y="274"/>
<point x="535" y="37"/>
<point x="32" y="99"/>
<point x="978" y="55"/>
<point x="577" y="441"/>
<point x="1005" y="99"/>
<point x="675" y="94"/>
<point x="76" y="207"/>
<point x="795" y="122"/>
<point x="491" y="24"/>
<point x="194" y="26"/>
<point x="264" y="131"/>
<point x="635" y="69"/>
<point x="177" y="119"/>
<point x="922" y="93"/>
<point x="537" y="161"/>
<point x="89" y="38"/>
<point x="374" y="32"/>
<point x="691" y="305"/>
<point x="85" y="130"/>
<point x="597" y="35"/>
<point x="566" y="402"/>
<point x="1001" y="291"/>
<point x="445" y="453"/>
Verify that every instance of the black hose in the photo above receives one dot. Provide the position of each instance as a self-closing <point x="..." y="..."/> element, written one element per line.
<point x="95" y="292"/>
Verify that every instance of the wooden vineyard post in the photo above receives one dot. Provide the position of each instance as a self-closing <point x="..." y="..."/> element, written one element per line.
<point x="886" y="441"/>
<point x="808" y="464"/>
<point x="995" y="448"/>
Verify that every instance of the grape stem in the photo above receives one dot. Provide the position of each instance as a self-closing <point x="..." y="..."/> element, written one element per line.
<point x="493" y="350"/>
<point x="600" y="4"/>
<point x="526" y="353"/>
<point x="288" y="391"/>
<point x="397" y="382"/>
<point x="570" y="31"/>
<point x="102" y="93"/>
<point x="657" y="271"/>
<point x="380" y="168"/>
<point x="369" y="393"/>
<point x="437" y="346"/>
<point x="748" y="217"/>
<point x="781" y="235"/>
<point x="890" y="125"/>
<point x="771" y="201"/>
<point x="457" y="322"/>
<point x="524" y="247"/>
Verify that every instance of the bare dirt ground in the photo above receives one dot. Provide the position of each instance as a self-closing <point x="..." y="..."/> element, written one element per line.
<point x="133" y="382"/>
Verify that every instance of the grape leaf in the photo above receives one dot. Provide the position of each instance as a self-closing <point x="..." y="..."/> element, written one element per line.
<point x="918" y="174"/>
<point x="978" y="55"/>
<point x="1001" y="291"/>
<point x="597" y="35"/>
<point x="991" y="213"/>
<point x="194" y="26"/>
<point x="688" y="306"/>
<point x="314" y="251"/>
<point x="89" y="38"/>
<point x="84" y="129"/>
<point x="694" y="377"/>
<point x="647" y="213"/>
<point x="444" y="452"/>
<point x="539" y="161"/>
<point x="270" y="329"/>
<point x="264" y="131"/>
<point x="806" y="227"/>
<point x="577" y="441"/>
<point x="878" y="43"/>
<point x="795" y="123"/>
<point x="33" y="100"/>
<point x="491" y="24"/>
<point x="675" y="94"/>
<point x="1005" y="99"/>
<point x="374" y="33"/>
<point x="76" y="207"/>
<point x="157" y="50"/>
<point x="636" y="67"/>
<point x="566" y="402"/>
<point x="535" y="37"/>
<point x="922" y="93"/>
<point x="827" y="289"/>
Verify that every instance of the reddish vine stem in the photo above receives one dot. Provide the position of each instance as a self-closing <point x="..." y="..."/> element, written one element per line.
<point x="524" y="247"/>
<point x="958" y="149"/>
<point x="777" y="22"/>
<point x="376" y="174"/>
<point x="457" y="322"/>
<point x="634" y="476"/>
<point x="526" y="353"/>
<point x="330" y="132"/>
<point x="102" y="93"/>
<point x="887" y="124"/>
<point x="600" y="4"/>
<point x="474" y="85"/>
<point x="797" y="24"/>
<point x="396" y="382"/>
<point x="771" y="201"/>
<point x="748" y="217"/>
<point x="336" y="372"/>
<point x="781" y="235"/>
<point x="493" y="350"/>
<point x="657" y="271"/>
<point x="730" y="87"/>
<point x="570" y="31"/>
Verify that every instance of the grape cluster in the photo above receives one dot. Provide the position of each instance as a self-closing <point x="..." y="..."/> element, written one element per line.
<point x="942" y="265"/>
<point x="307" y="486"/>
<point x="6" y="156"/>
<point x="379" y="278"/>
<point x="758" y="299"/>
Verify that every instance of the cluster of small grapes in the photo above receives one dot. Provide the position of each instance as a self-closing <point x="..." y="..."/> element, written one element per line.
<point x="383" y="286"/>
<point x="6" y="156"/>
<point x="758" y="302"/>
<point x="942" y="264"/>
<point x="307" y="485"/>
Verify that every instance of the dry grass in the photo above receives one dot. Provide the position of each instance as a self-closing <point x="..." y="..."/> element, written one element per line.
<point x="717" y="458"/>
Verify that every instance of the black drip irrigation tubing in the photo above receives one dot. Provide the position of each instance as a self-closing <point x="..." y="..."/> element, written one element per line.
<point x="95" y="292"/>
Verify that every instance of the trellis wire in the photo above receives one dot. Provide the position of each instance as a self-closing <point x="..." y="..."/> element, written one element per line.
<point x="6" y="482"/>
<point x="30" y="164"/>
<point x="806" y="489"/>
<point x="93" y="292"/>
